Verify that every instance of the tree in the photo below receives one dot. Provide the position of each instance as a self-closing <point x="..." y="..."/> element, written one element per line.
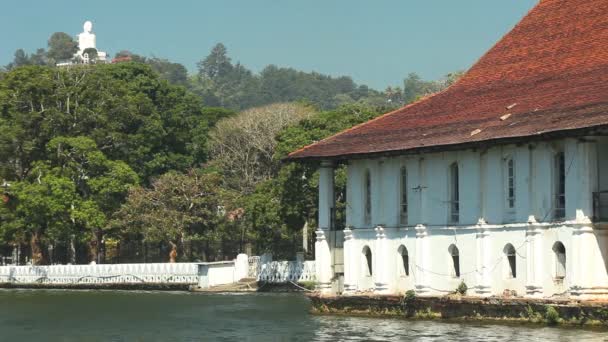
<point x="21" y="58"/>
<point x="177" y="208"/>
<point x="91" y="53"/>
<point x="101" y="185"/>
<point x="279" y="208"/>
<point x="42" y="210"/>
<point x="243" y="146"/>
<point x="62" y="46"/>
<point x="125" y="108"/>
<point x="216" y="65"/>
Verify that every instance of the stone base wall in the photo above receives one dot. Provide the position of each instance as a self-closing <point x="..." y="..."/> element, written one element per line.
<point x="467" y="308"/>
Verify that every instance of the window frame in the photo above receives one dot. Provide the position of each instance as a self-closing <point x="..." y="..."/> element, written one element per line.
<point x="511" y="261"/>
<point x="404" y="261"/>
<point x="367" y="197"/>
<point x="561" y="268"/>
<point x="510" y="184"/>
<point x="559" y="185"/>
<point x="403" y="194"/>
<point x="455" y="260"/>
<point x="454" y="193"/>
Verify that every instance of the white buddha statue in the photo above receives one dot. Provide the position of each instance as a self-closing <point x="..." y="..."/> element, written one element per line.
<point x="87" y="38"/>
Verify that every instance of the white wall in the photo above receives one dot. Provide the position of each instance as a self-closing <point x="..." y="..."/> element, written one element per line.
<point x="486" y="225"/>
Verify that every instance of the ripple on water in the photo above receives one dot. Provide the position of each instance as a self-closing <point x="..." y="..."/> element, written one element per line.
<point x="36" y="315"/>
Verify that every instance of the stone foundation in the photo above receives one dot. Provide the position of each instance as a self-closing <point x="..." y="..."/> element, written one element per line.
<point x="467" y="308"/>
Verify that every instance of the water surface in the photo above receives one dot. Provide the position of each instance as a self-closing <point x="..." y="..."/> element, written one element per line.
<point x="37" y="315"/>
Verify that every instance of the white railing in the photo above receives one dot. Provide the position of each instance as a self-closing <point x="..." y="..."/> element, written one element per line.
<point x="161" y="273"/>
<point x="207" y="274"/>
<point x="285" y="271"/>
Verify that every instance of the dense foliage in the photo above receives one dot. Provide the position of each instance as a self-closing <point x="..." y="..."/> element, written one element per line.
<point x="102" y="158"/>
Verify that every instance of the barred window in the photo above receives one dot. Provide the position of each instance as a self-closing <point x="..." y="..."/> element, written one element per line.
<point x="403" y="207"/>
<point x="454" y="194"/>
<point x="510" y="183"/>
<point x="368" y="197"/>
<point x="560" y="186"/>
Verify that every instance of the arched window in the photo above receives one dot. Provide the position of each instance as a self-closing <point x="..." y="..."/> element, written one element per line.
<point x="510" y="182"/>
<point x="560" y="260"/>
<point x="454" y="194"/>
<point x="511" y="264"/>
<point x="367" y="261"/>
<point x="404" y="261"/>
<point x="455" y="256"/>
<point x="403" y="209"/>
<point x="560" y="185"/>
<point x="367" y="194"/>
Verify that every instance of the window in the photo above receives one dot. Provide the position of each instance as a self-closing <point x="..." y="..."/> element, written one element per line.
<point x="403" y="209"/>
<point x="368" y="197"/>
<point x="404" y="260"/>
<point x="510" y="183"/>
<point x="560" y="260"/>
<point x="367" y="261"/>
<point x="560" y="186"/>
<point x="455" y="256"/>
<point x="509" y="251"/>
<point x="454" y="194"/>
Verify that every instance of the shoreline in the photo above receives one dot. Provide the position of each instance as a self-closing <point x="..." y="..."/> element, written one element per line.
<point x="538" y="312"/>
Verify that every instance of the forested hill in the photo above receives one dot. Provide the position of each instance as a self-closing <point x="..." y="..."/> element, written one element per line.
<point x="220" y="82"/>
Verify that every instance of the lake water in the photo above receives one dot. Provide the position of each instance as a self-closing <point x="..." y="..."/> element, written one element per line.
<point x="36" y="315"/>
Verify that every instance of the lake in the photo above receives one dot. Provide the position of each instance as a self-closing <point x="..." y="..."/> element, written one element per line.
<point x="54" y="315"/>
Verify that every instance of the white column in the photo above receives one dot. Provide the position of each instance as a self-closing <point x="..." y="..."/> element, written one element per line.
<point x="381" y="262"/>
<point x="582" y="265"/>
<point x="484" y="286"/>
<point x="326" y="194"/>
<point x="322" y="248"/>
<point x="581" y="179"/>
<point x="351" y="263"/>
<point x="492" y="187"/>
<point x="421" y="260"/>
<point x="534" y="260"/>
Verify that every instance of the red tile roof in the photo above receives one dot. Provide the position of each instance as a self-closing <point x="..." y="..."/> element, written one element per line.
<point x="550" y="73"/>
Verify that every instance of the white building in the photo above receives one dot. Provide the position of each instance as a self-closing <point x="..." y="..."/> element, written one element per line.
<point x="500" y="181"/>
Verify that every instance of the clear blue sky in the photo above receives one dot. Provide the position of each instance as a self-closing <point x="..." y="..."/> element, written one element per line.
<point x="377" y="42"/>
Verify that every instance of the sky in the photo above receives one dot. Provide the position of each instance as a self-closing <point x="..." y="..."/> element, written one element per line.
<point x="376" y="42"/>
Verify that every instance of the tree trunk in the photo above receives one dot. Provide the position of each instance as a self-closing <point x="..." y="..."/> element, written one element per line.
<point x="173" y="253"/>
<point x="36" y="247"/>
<point x="95" y="247"/>
<point x="72" y="251"/>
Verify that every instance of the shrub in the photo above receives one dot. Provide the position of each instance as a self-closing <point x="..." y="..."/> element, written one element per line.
<point x="552" y="316"/>
<point x="410" y="295"/>
<point x="462" y="288"/>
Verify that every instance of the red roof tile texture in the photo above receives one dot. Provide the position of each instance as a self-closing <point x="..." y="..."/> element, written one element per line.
<point x="550" y="73"/>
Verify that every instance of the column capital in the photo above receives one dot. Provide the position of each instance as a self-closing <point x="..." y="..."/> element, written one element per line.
<point x="380" y="231"/>
<point x="420" y="230"/>
<point x="320" y="233"/>
<point x="348" y="233"/>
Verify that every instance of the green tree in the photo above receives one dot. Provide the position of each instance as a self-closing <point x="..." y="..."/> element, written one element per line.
<point x="61" y="46"/>
<point x="129" y="112"/>
<point x="92" y="53"/>
<point x="101" y="185"/>
<point x="216" y="65"/>
<point x="177" y="208"/>
<point x="41" y="210"/>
